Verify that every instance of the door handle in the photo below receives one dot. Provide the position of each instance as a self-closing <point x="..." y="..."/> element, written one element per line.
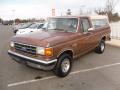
<point x="88" y="34"/>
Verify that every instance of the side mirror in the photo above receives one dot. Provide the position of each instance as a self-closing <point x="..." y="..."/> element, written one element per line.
<point x="90" y="29"/>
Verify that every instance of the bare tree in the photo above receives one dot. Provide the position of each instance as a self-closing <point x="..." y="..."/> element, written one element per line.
<point x="110" y="5"/>
<point x="100" y="11"/>
<point x="108" y="9"/>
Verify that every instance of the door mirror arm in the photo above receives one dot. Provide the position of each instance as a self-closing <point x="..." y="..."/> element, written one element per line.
<point x="91" y="29"/>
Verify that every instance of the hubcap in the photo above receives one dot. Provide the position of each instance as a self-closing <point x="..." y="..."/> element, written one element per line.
<point x="65" y="65"/>
<point x="102" y="46"/>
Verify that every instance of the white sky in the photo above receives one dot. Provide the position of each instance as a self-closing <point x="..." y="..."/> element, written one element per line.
<point x="11" y="9"/>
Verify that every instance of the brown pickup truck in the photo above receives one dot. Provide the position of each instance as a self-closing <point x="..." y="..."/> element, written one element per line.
<point x="60" y="41"/>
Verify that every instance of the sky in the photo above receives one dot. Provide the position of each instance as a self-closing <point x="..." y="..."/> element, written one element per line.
<point x="24" y="9"/>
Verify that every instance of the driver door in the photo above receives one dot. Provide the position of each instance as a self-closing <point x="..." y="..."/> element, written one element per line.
<point x="86" y="37"/>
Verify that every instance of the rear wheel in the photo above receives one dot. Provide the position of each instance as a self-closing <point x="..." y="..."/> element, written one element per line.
<point x="63" y="66"/>
<point x="101" y="47"/>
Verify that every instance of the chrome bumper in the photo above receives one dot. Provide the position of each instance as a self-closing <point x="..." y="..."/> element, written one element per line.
<point x="43" y="64"/>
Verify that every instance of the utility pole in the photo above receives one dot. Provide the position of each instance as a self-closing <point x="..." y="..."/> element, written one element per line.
<point x="53" y="12"/>
<point x="81" y="9"/>
<point x="14" y="16"/>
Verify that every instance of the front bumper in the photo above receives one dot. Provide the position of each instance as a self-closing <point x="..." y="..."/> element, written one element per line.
<point x="36" y="63"/>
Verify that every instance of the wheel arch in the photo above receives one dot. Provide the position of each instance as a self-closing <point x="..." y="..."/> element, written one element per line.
<point x="103" y="38"/>
<point x="66" y="51"/>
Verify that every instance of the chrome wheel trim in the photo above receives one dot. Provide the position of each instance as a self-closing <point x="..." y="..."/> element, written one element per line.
<point x="102" y="46"/>
<point x="65" y="65"/>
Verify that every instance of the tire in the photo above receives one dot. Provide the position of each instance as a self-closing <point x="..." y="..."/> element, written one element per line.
<point x="63" y="66"/>
<point x="15" y="31"/>
<point x="101" y="47"/>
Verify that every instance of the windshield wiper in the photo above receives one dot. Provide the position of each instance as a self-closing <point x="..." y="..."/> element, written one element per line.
<point x="58" y="29"/>
<point x="43" y="28"/>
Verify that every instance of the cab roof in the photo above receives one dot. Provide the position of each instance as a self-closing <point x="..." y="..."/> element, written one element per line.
<point x="79" y="16"/>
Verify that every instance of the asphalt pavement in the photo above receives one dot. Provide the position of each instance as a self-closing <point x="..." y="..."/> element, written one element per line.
<point x="89" y="72"/>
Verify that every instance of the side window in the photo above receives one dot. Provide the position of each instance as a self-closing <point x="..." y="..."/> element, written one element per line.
<point x="98" y="23"/>
<point x="70" y="24"/>
<point x="85" y="25"/>
<point x="40" y="26"/>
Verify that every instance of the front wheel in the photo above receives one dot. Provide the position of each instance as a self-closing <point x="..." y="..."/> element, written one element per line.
<point x="63" y="66"/>
<point x="101" y="47"/>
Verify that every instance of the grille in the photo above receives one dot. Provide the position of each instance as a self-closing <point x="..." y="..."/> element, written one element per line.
<point x="25" y="48"/>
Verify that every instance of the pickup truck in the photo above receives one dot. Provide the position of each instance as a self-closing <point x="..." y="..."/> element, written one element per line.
<point x="61" y="40"/>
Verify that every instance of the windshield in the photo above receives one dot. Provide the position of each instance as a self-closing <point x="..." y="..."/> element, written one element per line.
<point x="62" y="24"/>
<point x="34" y="26"/>
<point x="26" y="25"/>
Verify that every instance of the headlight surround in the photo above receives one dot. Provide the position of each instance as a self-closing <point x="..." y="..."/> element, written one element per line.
<point x="48" y="52"/>
<point x="12" y="44"/>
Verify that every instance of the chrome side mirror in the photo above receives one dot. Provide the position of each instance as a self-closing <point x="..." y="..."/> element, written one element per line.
<point x="90" y="29"/>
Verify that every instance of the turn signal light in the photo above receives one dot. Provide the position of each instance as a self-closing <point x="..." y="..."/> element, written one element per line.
<point x="48" y="52"/>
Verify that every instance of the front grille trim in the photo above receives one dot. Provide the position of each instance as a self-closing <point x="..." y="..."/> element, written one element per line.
<point x="25" y="48"/>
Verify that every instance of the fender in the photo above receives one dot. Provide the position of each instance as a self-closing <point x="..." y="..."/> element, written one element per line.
<point x="65" y="49"/>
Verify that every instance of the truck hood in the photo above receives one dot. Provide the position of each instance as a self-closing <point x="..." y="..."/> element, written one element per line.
<point x="43" y="38"/>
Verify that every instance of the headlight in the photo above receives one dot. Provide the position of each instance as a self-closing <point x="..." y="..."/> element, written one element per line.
<point x="12" y="44"/>
<point x="45" y="51"/>
<point x="40" y="50"/>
